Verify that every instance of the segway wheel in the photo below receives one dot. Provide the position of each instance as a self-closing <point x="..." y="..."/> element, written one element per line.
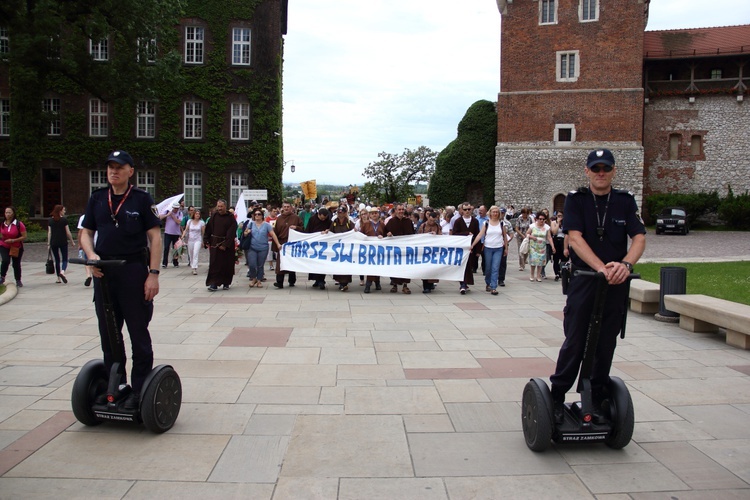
<point x="161" y="401"/>
<point x="535" y="417"/>
<point x="90" y="382"/>
<point x="622" y="415"/>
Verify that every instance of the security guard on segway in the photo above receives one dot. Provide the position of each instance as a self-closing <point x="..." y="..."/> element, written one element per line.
<point x="127" y="224"/>
<point x="598" y="222"/>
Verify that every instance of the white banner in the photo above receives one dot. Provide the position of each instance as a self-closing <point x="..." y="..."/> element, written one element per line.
<point x="421" y="256"/>
<point x="240" y="209"/>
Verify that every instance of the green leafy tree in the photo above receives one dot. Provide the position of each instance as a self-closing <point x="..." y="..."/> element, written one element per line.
<point x="49" y="49"/>
<point x="467" y="165"/>
<point x="393" y="176"/>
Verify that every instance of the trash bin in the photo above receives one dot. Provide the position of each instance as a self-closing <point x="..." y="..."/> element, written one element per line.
<point x="672" y="281"/>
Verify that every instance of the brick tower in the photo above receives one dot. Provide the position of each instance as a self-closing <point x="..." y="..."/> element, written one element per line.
<point x="571" y="81"/>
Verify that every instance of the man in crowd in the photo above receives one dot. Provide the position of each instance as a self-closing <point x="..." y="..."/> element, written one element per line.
<point x="399" y="225"/>
<point x="284" y="222"/>
<point x="221" y="230"/>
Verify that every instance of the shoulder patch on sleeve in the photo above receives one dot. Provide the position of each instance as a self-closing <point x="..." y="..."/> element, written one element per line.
<point x="154" y="210"/>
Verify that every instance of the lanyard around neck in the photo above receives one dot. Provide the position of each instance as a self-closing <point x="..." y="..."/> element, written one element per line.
<point x="109" y="199"/>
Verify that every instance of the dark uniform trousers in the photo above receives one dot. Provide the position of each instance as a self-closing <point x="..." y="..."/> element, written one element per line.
<point x="580" y="303"/>
<point x="126" y="292"/>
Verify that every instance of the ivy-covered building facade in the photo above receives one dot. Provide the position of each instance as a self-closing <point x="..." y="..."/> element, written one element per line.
<point x="210" y="127"/>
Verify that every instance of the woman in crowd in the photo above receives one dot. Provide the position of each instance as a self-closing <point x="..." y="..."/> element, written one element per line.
<point x="559" y="238"/>
<point x="259" y="232"/>
<point x="58" y="235"/>
<point x="495" y="248"/>
<point x="13" y="234"/>
<point x="193" y="234"/>
<point x="430" y="226"/>
<point x="539" y="236"/>
<point x="522" y="227"/>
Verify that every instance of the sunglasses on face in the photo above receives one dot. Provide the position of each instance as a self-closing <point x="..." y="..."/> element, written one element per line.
<point x="597" y="168"/>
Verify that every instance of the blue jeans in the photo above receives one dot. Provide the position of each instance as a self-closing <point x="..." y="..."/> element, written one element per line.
<point x="255" y="260"/>
<point x="493" y="257"/>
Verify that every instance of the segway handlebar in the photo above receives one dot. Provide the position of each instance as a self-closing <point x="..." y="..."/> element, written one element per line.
<point x="98" y="263"/>
<point x="581" y="272"/>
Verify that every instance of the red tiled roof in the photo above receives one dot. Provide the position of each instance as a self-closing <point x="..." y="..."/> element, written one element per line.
<point x="695" y="42"/>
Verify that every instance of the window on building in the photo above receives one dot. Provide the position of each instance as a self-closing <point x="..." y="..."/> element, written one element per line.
<point x="240" y="121"/>
<point x="193" y="120"/>
<point x="147" y="49"/>
<point x="146" y="180"/>
<point x="145" y="127"/>
<point x="589" y="10"/>
<point x="674" y="146"/>
<point x="98" y="118"/>
<point x="565" y="132"/>
<point x="99" y="50"/>
<point x="548" y="12"/>
<point x="4" y="41"/>
<point x="696" y="145"/>
<point x="51" y="107"/>
<point x="194" y="36"/>
<point x="241" y="46"/>
<point x="716" y="74"/>
<point x="4" y="117"/>
<point x="193" y="189"/>
<point x="568" y="66"/>
<point x="238" y="183"/>
<point x="97" y="180"/>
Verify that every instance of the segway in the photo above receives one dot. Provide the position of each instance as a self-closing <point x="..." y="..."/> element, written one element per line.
<point x="161" y="396"/>
<point x="614" y="426"/>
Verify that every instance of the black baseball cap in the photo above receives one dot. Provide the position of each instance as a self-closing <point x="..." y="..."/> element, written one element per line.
<point x="121" y="157"/>
<point x="603" y="156"/>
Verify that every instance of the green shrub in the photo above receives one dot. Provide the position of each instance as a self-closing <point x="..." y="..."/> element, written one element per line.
<point x="735" y="210"/>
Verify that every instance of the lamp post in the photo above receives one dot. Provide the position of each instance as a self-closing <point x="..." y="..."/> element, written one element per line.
<point x="292" y="168"/>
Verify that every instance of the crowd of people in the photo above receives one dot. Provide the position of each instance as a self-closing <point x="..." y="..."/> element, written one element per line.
<point x="258" y="239"/>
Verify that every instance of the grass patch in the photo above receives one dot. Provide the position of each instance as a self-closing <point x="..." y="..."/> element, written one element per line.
<point x="724" y="280"/>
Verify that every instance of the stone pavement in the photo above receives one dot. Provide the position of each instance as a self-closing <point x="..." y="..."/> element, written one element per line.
<point x="298" y="393"/>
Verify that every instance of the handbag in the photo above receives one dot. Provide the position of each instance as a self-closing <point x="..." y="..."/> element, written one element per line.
<point x="524" y="248"/>
<point x="14" y="251"/>
<point x="245" y="240"/>
<point x="50" y="265"/>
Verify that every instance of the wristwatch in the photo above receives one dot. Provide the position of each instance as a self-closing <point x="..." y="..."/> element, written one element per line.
<point x="628" y="265"/>
<point x="156" y="271"/>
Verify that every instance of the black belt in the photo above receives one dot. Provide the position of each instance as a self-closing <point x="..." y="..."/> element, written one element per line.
<point x="129" y="258"/>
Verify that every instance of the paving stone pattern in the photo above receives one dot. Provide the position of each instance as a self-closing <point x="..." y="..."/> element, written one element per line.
<point x="298" y="393"/>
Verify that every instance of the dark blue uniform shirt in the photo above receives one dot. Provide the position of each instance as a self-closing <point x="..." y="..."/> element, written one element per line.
<point x="620" y="221"/>
<point x="135" y="217"/>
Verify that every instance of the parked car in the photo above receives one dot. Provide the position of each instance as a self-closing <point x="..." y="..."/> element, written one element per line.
<point x="672" y="219"/>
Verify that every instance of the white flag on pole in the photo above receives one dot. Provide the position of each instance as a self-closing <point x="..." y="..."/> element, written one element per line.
<point x="167" y="204"/>
<point x="240" y="209"/>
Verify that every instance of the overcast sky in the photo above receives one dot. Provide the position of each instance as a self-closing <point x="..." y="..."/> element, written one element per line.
<point x="361" y="77"/>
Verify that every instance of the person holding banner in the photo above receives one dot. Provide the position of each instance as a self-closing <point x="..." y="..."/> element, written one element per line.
<point x="284" y="222"/>
<point x="319" y="223"/>
<point x="430" y="226"/>
<point x="466" y="224"/>
<point x="342" y="224"/>
<point x="372" y="226"/>
<point x="400" y="225"/>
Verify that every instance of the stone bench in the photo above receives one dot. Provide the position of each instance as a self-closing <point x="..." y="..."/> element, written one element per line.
<point x="644" y="297"/>
<point x="701" y="313"/>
